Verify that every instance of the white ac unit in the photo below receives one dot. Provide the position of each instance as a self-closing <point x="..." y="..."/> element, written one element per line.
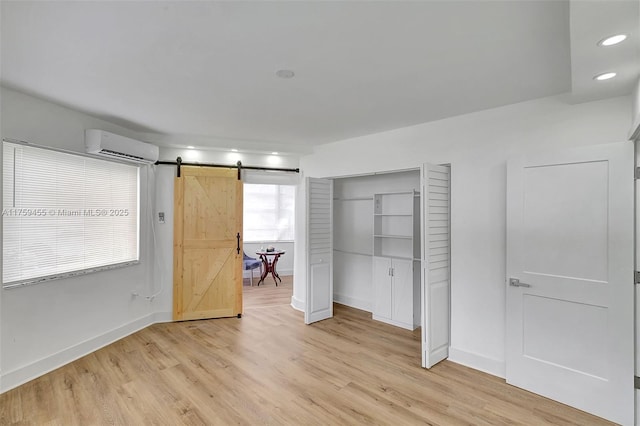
<point x="105" y="144"/>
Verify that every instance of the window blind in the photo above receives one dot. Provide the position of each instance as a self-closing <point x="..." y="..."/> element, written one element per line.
<point x="269" y="212"/>
<point x="65" y="214"/>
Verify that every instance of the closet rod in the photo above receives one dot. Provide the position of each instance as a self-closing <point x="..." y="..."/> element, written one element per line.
<point x="179" y="163"/>
<point x="354" y="199"/>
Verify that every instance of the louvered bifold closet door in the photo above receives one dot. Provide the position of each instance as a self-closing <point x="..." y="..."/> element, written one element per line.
<point x="319" y="295"/>
<point x="436" y="264"/>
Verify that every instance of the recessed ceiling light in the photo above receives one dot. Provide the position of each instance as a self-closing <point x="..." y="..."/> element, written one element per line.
<point x="610" y="41"/>
<point x="234" y="150"/>
<point x="274" y="153"/>
<point x="285" y="73"/>
<point x="605" y="76"/>
<point x="190" y="147"/>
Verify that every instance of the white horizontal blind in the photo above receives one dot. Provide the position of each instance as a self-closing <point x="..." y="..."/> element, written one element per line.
<point x="65" y="213"/>
<point x="269" y="212"/>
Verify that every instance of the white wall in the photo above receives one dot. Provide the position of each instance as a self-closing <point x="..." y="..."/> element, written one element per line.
<point x="46" y="325"/>
<point x="163" y="271"/>
<point x="477" y="146"/>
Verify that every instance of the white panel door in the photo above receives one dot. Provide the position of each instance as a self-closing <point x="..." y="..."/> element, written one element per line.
<point x="402" y="291"/>
<point x="436" y="277"/>
<point x="637" y="268"/>
<point x="570" y="317"/>
<point x="319" y="299"/>
<point x="381" y="287"/>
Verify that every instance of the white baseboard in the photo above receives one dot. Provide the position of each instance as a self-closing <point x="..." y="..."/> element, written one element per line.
<point x="478" y="362"/>
<point x="396" y="323"/>
<point x="14" y="378"/>
<point x="353" y="302"/>
<point x="297" y="304"/>
<point x="159" y="317"/>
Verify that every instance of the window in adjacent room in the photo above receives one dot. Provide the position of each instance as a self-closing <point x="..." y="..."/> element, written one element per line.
<point x="65" y="214"/>
<point x="269" y="212"/>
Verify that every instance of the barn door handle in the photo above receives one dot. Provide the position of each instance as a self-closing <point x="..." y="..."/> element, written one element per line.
<point x="514" y="282"/>
<point x="238" y="239"/>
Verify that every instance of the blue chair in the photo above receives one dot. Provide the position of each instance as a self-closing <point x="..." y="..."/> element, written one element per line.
<point x="251" y="263"/>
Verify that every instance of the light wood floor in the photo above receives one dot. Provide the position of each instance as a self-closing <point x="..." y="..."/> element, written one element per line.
<point x="267" y="294"/>
<point x="270" y="368"/>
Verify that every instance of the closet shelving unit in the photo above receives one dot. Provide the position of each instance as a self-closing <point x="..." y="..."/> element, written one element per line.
<point x="396" y="256"/>
<point x="395" y="221"/>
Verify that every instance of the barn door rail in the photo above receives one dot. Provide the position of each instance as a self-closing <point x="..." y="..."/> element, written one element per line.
<point x="179" y="163"/>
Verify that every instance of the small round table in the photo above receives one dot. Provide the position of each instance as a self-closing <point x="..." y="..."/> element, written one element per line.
<point x="269" y="265"/>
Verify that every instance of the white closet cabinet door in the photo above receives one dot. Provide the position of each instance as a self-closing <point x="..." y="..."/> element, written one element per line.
<point x="402" y="296"/>
<point x="381" y="287"/>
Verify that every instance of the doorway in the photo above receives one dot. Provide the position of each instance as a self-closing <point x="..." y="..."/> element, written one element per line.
<point x="400" y="238"/>
<point x="269" y="222"/>
<point x="368" y="227"/>
<point x="209" y="236"/>
<point x="354" y="225"/>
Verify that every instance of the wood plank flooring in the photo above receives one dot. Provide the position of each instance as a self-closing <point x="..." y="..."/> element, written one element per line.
<point x="267" y="294"/>
<point x="269" y="368"/>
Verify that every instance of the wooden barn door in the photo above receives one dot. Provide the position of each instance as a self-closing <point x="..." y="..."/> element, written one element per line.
<point x="207" y="244"/>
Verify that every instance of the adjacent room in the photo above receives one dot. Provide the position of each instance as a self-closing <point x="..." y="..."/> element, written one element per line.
<point x="311" y="212"/>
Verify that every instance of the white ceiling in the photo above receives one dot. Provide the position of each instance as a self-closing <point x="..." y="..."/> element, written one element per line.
<point x="203" y="73"/>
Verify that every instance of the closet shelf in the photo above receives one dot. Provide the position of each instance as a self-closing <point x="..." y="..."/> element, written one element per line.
<point x="399" y="193"/>
<point x="413" y="259"/>
<point x="354" y="199"/>
<point x="394" y="214"/>
<point x="404" y="237"/>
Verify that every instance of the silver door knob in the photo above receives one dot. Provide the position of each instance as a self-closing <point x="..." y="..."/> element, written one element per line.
<point x="514" y="282"/>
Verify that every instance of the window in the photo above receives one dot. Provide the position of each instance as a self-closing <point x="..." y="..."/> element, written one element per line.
<point x="269" y="212"/>
<point x="65" y="214"/>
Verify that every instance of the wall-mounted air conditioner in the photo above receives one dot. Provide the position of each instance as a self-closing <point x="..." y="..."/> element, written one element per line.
<point x="105" y="144"/>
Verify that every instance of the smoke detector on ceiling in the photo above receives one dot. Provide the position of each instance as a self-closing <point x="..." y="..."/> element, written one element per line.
<point x="285" y="73"/>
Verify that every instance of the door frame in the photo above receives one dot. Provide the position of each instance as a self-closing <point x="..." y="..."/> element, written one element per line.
<point x="423" y="318"/>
